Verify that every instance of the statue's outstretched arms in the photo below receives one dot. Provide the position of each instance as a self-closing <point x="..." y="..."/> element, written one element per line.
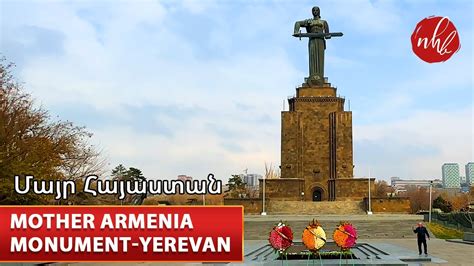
<point x="299" y="24"/>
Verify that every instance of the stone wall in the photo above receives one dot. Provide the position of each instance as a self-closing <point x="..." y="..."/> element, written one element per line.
<point x="291" y="188"/>
<point x="288" y="207"/>
<point x="282" y="188"/>
<point x="354" y="188"/>
<point x="314" y="208"/>
<point x="321" y="91"/>
<point x="388" y="205"/>
<point x="251" y="206"/>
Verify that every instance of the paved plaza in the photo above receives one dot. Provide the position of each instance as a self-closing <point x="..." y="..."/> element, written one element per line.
<point x="391" y="252"/>
<point x="385" y="239"/>
<point x="401" y="252"/>
<point x="442" y="251"/>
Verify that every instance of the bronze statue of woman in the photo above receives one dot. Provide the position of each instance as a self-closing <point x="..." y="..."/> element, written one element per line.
<point x="316" y="45"/>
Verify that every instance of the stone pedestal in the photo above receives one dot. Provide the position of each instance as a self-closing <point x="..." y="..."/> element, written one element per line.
<point x="316" y="141"/>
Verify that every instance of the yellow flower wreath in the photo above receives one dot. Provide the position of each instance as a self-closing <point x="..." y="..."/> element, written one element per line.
<point x="314" y="236"/>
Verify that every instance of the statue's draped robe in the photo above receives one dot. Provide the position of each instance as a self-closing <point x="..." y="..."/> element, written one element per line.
<point x="316" y="46"/>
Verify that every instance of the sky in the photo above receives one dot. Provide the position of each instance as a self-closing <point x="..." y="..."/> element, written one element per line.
<point x="197" y="87"/>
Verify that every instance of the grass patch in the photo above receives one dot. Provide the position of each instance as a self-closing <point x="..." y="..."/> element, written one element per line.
<point x="444" y="232"/>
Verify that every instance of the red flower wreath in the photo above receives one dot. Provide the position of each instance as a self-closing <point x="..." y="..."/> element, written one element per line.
<point x="281" y="237"/>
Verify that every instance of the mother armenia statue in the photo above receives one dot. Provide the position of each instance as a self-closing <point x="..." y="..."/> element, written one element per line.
<point x="317" y="30"/>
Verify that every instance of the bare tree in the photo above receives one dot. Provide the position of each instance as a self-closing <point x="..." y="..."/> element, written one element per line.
<point x="381" y="189"/>
<point x="419" y="198"/>
<point x="459" y="202"/>
<point x="83" y="161"/>
<point x="270" y="172"/>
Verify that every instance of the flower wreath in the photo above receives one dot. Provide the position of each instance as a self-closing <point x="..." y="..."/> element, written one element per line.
<point x="314" y="236"/>
<point x="345" y="235"/>
<point x="281" y="237"/>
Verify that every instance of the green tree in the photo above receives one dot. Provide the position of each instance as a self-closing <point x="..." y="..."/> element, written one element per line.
<point x="135" y="174"/>
<point x="441" y="203"/>
<point x="235" y="186"/>
<point x="132" y="173"/>
<point x="119" y="172"/>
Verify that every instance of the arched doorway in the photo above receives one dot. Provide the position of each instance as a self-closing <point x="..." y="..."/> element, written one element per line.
<point x="317" y="194"/>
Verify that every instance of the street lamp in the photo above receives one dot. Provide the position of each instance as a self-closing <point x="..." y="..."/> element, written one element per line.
<point x="431" y="190"/>
<point x="263" y="198"/>
<point x="369" y="211"/>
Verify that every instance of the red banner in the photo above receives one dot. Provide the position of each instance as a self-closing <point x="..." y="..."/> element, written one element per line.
<point x="121" y="234"/>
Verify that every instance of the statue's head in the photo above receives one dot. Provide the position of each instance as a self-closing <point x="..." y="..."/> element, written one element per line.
<point x="316" y="12"/>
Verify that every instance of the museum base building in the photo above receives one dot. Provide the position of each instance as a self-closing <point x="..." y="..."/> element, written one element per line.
<point x="316" y="149"/>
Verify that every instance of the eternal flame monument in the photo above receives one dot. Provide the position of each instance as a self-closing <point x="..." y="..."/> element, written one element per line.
<point x="316" y="133"/>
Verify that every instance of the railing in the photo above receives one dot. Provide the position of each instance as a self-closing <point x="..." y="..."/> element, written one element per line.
<point x="459" y="220"/>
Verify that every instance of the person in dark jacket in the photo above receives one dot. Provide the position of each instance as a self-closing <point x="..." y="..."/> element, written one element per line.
<point x="421" y="233"/>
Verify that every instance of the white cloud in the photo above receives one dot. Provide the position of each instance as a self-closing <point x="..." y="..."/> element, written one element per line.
<point x="365" y="16"/>
<point x="135" y="60"/>
<point x="415" y="147"/>
<point x="195" y="151"/>
<point x="198" y="6"/>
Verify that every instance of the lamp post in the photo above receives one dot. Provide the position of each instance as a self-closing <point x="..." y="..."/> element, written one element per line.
<point x="431" y="191"/>
<point x="204" y="199"/>
<point x="369" y="211"/>
<point x="263" y="198"/>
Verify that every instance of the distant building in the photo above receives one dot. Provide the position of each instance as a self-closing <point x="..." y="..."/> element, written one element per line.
<point x="251" y="180"/>
<point x="394" y="179"/>
<point x="451" y="177"/>
<point x="401" y="185"/>
<point x="185" y="177"/>
<point x="470" y="173"/>
<point x="465" y="188"/>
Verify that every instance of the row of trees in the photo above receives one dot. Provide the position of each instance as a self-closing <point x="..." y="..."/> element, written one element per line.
<point x="419" y="197"/>
<point x="420" y="200"/>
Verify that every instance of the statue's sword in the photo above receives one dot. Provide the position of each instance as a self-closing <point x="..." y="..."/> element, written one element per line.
<point x="318" y="35"/>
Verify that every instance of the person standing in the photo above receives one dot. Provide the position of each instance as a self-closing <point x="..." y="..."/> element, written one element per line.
<point x="421" y="233"/>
